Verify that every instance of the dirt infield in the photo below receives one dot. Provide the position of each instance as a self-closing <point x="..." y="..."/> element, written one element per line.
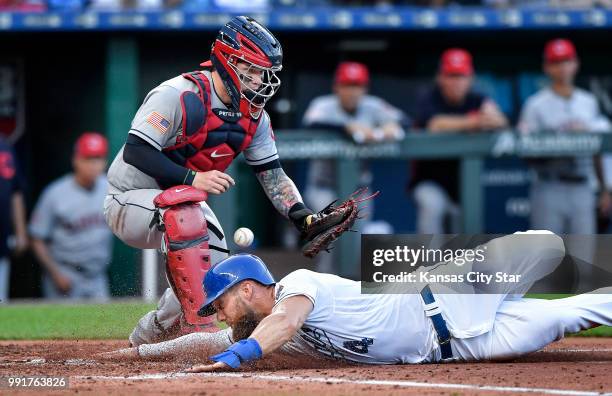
<point x="575" y="366"/>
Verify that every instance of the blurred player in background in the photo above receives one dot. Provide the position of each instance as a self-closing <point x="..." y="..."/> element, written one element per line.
<point x="563" y="198"/>
<point x="450" y="107"/>
<point x="69" y="235"/>
<point x="352" y="112"/>
<point x="562" y="195"/>
<point x="12" y="215"/>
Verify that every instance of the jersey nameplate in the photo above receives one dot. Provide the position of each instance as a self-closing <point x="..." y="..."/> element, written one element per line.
<point x="228" y="115"/>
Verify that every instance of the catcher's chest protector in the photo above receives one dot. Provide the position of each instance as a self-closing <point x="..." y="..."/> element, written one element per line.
<point x="187" y="251"/>
<point x="211" y="138"/>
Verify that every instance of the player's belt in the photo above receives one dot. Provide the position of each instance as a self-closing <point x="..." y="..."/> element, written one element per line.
<point x="433" y="311"/>
<point x="84" y="271"/>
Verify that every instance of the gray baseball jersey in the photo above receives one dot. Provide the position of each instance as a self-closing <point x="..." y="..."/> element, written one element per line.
<point x="371" y="111"/>
<point x="158" y="121"/>
<point x="547" y="111"/>
<point x="70" y="219"/>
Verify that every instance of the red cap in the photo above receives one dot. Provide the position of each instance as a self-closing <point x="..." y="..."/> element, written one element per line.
<point x="456" y="61"/>
<point x="352" y="73"/>
<point x="91" y="144"/>
<point x="559" y="50"/>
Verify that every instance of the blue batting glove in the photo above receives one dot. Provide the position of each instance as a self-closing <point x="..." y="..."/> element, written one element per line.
<point x="240" y="352"/>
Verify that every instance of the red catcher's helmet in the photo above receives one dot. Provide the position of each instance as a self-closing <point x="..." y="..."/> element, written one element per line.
<point x="244" y="40"/>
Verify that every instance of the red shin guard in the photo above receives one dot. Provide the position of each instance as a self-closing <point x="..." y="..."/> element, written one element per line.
<point x="187" y="253"/>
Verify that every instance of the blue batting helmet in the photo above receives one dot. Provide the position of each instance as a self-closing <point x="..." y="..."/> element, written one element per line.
<point x="226" y="273"/>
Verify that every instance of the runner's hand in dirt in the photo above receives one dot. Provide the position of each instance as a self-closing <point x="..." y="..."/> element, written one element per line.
<point x="204" y="368"/>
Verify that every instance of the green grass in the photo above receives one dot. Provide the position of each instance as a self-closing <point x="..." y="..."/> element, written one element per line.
<point x="66" y="321"/>
<point x="601" y="331"/>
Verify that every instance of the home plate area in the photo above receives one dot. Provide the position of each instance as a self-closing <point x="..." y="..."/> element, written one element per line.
<point x="573" y="366"/>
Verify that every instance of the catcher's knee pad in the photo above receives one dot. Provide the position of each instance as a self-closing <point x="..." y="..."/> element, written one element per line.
<point x="185" y="244"/>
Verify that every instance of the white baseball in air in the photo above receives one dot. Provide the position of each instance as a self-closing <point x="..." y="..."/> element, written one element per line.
<point x="243" y="237"/>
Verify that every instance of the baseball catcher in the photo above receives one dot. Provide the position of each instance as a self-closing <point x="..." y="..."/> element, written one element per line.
<point x="184" y="136"/>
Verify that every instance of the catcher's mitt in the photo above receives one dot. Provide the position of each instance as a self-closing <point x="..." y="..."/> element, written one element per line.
<point x="324" y="227"/>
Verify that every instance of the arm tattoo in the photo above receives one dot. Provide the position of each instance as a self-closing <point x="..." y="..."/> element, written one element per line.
<point x="280" y="189"/>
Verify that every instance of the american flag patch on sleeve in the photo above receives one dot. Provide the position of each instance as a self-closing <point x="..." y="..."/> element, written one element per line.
<point x="158" y="121"/>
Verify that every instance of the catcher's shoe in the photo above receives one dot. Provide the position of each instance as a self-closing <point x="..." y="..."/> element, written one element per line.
<point x="186" y="328"/>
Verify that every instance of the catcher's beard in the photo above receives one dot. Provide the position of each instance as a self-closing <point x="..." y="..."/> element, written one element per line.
<point x="245" y="324"/>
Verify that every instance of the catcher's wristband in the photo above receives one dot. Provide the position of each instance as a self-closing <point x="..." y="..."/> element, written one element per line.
<point x="240" y="352"/>
<point x="297" y="215"/>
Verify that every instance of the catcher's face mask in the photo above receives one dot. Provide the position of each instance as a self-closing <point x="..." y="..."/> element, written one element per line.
<point x="247" y="57"/>
<point x="257" y="84"/>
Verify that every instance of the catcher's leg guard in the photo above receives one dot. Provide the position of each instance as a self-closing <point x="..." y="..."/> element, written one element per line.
<point x="185" y="244"/>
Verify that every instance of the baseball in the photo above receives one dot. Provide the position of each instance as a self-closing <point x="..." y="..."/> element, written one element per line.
<point x="243" y="237"/>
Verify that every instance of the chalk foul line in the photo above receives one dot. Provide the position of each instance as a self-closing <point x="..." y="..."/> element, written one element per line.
<point x="334" y="380"/>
